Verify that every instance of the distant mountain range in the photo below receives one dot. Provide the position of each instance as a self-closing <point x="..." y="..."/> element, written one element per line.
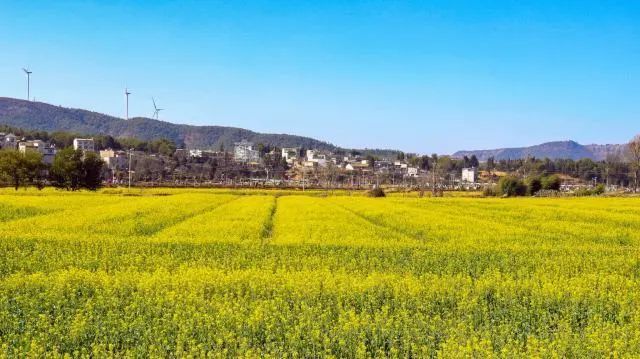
<point x="551" y="150"/>
<point x="45" y="117"/>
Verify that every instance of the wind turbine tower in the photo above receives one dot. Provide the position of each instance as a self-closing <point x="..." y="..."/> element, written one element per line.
<point x="126" y="94"/>
<point x="26" y="71"/>
<point x="156" y="110"/>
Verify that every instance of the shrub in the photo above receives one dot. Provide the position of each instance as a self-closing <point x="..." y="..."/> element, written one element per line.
<point x="511" y="186"/>
<point x="551" y="182"/>
<point x="534" y="185"/>
<point x="376" y="192"/>
<point x="600" y="189"/>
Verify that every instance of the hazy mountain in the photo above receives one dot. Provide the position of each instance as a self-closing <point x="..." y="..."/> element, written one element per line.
<point x="552" y="150"/>
<point x="45" y="117"/>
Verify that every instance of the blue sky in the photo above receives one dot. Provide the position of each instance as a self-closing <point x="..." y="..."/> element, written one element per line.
<point x="423" y="76"/>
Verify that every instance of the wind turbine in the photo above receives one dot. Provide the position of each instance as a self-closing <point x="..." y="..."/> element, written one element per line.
<point x="126" y="94"/>
<point x="26" y="71"/>
<point x="156" y="110"/>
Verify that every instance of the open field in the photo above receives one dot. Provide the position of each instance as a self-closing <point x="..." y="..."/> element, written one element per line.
<point x="259" y="273"/>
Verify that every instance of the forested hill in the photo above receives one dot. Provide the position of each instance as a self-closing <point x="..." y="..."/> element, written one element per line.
<point x="45" y="117"/>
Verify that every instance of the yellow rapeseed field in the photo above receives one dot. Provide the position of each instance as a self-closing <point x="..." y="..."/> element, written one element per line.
<point x="223" y="273"/>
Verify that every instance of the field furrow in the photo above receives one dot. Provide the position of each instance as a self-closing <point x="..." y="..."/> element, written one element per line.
<point x="242" y="220"/>
<point x="307" y="220"/>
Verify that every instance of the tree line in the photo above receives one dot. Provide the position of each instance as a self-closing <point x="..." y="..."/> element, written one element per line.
<point x="71" y="169"/>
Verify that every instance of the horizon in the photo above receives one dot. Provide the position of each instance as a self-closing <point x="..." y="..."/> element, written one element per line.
<point x="357" y="75"/>
<point x="337" y="145"/>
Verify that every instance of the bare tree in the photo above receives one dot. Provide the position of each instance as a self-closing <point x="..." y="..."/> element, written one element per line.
<point x="434" y="171"/>
<point x="634" y="152"/>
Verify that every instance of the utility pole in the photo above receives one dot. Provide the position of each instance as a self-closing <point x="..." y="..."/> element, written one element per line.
<point x="130" y="155"/>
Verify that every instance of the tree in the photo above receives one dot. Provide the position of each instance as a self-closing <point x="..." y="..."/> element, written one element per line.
<point x="551" y="182"/>
<point x="434" y="176"/>
<point x="511" y="186"/>
<point x="534" y="185"/>
<point x="21" y="169"/>
<point x="473" y="161"/>
<point x="162" y="146"/>
<point x="11" y="167"/>
<point x="465" y="162"/>
<point x="92" y="171"/>
<point x="491" y="164"/>
<point x="633" y="147"/>
<point x="33" y="168"/>
<point x="66" y="170"/>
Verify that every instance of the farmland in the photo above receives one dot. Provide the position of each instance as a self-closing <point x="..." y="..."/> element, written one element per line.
<point x="279" y="274"/>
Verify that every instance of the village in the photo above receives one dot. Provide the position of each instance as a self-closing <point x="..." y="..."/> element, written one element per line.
<point x="160" y="163"/>
<point x="252" y="165"/>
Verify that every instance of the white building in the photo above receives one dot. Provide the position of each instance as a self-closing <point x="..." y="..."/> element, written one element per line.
<point x="244" y="152"/>
<point x="469" y="174"/>
<point x="48" y="152"/>
<point x="84" y="144"/>
<point x="290" y="154"/>
<point x="8" y="140"/>
<point x="195" y="153"/>
<point x="315" y="157"/>
<point x="311" y="155"/>
<point x="412" y="171"/>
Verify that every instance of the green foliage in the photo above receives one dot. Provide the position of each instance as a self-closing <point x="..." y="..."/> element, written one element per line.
<point x="534" y="184"/>
<point x="92" y="166"/>
<point x="551" y="182"/>
<point x="162" y="146"/>
<point x="21" y="169"/>
<point x="73" y="170"/>
<point x="597" y="190"/>
<point x="11" y="167"/>
<point x="45" y="117"/>
<point x="511" y="187"/>
<point x="66" y="170"/>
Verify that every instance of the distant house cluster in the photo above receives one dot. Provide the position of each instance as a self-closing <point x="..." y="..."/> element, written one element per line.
<point x="244" y="152"/>
<point x="47" y="151"/>
<point x="250" y="161"/>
